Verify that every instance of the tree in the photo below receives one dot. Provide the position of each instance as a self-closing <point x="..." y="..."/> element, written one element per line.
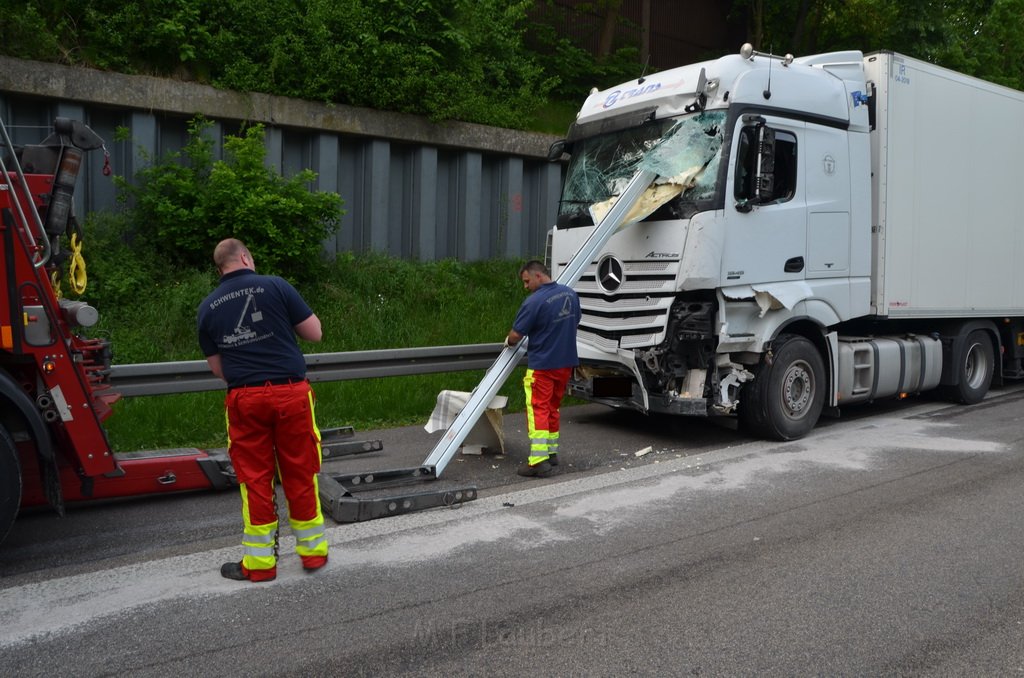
<point x="596" y="59"/>
<point x="978" y="37"/>
<point x="992" y="48"/>
<point x="610" y="10"/>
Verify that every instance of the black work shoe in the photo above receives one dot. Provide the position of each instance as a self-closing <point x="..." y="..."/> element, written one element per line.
<point x="238" y="573"/>
<point x="233" y="571"/>
<point x="537" y="470"/>
<point x="553" y="459"/>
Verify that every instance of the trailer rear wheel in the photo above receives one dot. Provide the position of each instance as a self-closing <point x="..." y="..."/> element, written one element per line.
<point x="786" y="397"/>
<point x="10" y="483"/>
<point x="975" y="369"/>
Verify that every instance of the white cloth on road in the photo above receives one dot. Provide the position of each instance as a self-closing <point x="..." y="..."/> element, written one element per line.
<point x="486" y="433"/>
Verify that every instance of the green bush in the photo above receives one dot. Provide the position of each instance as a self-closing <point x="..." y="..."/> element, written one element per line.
<point x="459" y="59"/>
<point x="448" y="59"/>
<point x="120" y="269"/>
<point x="185" y="203"/>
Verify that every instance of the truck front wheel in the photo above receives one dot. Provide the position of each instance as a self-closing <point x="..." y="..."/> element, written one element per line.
<point x="785" y="399"/>
<point x="974" y="371"/>
<point x="10" y="482"/>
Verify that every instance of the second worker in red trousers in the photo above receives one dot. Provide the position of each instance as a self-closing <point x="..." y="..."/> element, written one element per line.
<point x="548" y="318"/>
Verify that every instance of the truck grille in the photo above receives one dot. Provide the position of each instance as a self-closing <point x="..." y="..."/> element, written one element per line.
<point x="634" y="316"/>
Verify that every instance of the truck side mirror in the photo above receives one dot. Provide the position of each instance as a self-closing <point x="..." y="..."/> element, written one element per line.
<point x="556" y="150"/>
<point x="765" y="176"/>
<point x="755" y="166"/>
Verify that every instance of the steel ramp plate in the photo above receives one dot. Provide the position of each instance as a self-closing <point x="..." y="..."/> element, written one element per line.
<point x="344" y="507"/>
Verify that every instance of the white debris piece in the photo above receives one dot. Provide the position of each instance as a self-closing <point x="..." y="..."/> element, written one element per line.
<point x="646" y="450"/>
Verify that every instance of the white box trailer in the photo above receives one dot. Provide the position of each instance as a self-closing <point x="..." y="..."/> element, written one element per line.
<point x="947" y="154"/>
<point x="823" y="231"/>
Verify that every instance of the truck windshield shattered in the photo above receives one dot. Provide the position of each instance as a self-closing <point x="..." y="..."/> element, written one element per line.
<point x="684" y="151"/>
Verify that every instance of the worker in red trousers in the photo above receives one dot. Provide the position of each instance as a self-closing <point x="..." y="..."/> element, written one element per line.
<point x="548" y="318"/>
<point x="247" y="330"/>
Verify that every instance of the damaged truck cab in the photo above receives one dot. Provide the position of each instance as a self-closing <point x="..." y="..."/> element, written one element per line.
<point x="802" y="246"/>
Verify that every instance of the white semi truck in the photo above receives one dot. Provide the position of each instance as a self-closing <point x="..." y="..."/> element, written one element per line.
<point x="822" y="231"/>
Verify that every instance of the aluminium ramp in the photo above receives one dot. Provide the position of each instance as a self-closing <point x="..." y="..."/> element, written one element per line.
<point x="509" y="358"/>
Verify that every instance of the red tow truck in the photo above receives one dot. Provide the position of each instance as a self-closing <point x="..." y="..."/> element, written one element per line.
<point x="54" y="382"/>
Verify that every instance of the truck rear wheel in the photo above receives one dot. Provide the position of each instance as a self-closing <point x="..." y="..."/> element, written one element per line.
<point x="10" y="482"/>
<point x="974" y="371"/>
<point x="786" y="397"/>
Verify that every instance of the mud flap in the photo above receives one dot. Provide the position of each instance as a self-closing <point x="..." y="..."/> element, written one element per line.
<point x="48" y="471"/>
<point x="832" y="367"/>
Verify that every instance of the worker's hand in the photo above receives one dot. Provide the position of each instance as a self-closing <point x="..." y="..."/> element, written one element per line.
<point x="506" y="344"/>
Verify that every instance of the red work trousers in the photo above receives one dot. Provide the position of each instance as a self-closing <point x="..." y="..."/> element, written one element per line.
<point x="544" y="392"/>
<point x="272" y="433"/>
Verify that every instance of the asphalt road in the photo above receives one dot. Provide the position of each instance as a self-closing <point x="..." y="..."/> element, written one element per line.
<point x="886" y="543"/>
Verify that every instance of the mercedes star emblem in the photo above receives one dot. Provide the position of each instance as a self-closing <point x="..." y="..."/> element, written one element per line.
<point x="609" y="274"/>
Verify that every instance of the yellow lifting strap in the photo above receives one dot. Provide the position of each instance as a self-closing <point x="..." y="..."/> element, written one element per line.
<point x="76" y="269"/>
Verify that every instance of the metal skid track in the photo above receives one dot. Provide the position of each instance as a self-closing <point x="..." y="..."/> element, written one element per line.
<point x="339" y="442"/>
<point x="338" y="494"/>
<point x="341" y="502"/>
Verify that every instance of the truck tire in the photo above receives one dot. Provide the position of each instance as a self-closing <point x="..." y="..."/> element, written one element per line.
<point x="785" y="399"/>
<point x="10" y="482"/>
<point x="974" y="371"/>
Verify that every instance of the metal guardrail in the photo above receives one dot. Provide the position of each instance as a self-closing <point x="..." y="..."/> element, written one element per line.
<point x="190" y="376"/>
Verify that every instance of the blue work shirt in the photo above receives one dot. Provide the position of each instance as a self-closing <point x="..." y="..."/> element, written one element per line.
<point x="549" y="317"/>
<point x="250" y="319"/>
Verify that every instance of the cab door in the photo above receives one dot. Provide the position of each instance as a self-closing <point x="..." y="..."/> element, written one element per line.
<point x="765" y="205"/>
